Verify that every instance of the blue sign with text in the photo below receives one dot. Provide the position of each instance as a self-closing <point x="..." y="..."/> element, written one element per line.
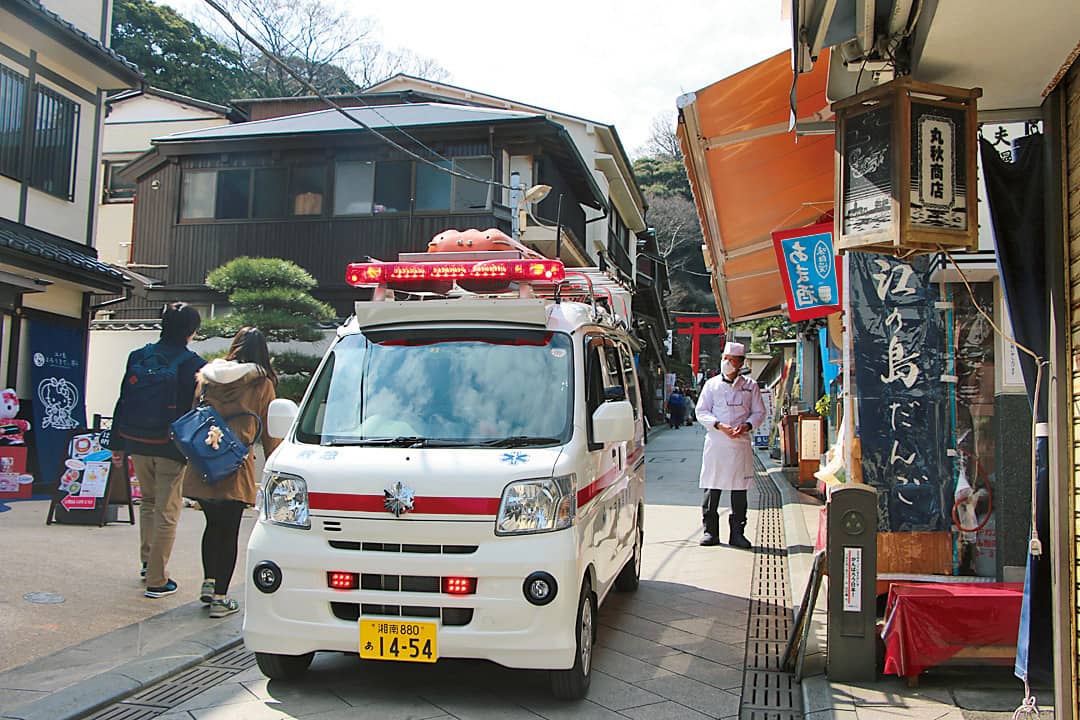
<point x="808" y="266"/>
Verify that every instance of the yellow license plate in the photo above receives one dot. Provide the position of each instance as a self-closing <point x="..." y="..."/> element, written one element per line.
<point x="405" y="640"/>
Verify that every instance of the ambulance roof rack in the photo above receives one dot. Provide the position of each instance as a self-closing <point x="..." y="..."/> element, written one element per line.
<point x="494" y="273"/>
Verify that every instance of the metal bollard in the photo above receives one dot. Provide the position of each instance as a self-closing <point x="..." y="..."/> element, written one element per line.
<point x="851" y="549"/>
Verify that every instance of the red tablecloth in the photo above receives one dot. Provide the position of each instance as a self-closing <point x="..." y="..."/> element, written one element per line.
<point x="927" y="623"/>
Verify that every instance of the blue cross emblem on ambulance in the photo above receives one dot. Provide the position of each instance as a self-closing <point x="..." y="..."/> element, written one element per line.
<point x="514" y="458"/>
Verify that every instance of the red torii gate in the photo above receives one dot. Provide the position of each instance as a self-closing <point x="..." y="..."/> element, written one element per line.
<point x="696" y="326"/>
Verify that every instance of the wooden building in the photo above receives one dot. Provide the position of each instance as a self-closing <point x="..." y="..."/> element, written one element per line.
<point x="324" y="189"/>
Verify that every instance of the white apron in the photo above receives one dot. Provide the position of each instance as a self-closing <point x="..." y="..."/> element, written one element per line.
<point x="728" y="463"/>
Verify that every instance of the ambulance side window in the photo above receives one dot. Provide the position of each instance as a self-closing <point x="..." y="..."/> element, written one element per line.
<point x="629" y="380"/>
<point x="602" y="374"/>
<point x="594" y="385"/>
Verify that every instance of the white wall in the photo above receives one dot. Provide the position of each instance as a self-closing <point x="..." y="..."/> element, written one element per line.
<point x="84" y="14"/>
<point x="132" y="123"/>
<point x="9" y="199"/>
<point x="114" y="224"/>
<point x="109" y="349"/>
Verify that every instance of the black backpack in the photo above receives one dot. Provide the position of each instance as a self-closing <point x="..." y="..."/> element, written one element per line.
<point x="148" y="397"/>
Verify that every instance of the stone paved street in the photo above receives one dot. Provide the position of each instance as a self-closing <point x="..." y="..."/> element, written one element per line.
<point x="674" y="649"/>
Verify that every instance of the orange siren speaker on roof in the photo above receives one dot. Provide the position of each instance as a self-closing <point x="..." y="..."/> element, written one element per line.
<point x="473" y="240"/>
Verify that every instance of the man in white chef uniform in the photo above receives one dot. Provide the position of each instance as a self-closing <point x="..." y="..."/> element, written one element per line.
<point x="729" y="407"/>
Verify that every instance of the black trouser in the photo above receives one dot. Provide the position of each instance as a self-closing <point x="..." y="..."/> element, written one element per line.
<point x="219" y="541"/>
<point x="710" y="515"/>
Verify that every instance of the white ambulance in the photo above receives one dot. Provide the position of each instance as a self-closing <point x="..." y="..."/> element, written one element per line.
<point x="463" y="479"/>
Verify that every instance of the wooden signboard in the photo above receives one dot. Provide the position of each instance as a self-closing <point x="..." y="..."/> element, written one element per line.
<point x="811" y="448"/>
<point x="88" y="483"/>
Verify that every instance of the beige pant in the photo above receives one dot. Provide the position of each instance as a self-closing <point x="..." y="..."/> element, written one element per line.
<point x="159" y="511"/>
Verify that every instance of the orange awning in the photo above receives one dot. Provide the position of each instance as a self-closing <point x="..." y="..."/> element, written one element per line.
<point x="750" y="174"/>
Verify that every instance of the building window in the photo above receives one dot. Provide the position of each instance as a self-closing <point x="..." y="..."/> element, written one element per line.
<point x="393" y="186"/>
<point x="438" y="190"/>
<point x="55" y="128"/>
<point x="472" y="194"/>
<point x="307" y="190"/>
<point x="197" y="189"/>
<point x="432" y="186"/>
<point x="233" y="194"/>
<point x="53" y="144"/>
<point x="353" y="185"/>
<point x="12" y="94"/>
<point x="269" y="197"/>
<point x="117" y="191"/>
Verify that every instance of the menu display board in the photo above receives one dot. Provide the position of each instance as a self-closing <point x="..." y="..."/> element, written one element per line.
<point x="83" y="487"/>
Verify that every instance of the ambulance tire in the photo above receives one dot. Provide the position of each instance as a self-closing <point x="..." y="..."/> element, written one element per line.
<point x="283" y="667"/>
<point x="573" y="684"/>
<point x="630" y="576"/>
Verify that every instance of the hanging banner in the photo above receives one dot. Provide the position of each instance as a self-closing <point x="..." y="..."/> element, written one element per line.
<point x="58" y="378"/>
<point x="808" y="270"/>
<point x="897" y="340"/>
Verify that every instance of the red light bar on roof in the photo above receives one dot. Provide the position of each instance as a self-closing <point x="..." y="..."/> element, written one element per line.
<point x="407" y="273"/>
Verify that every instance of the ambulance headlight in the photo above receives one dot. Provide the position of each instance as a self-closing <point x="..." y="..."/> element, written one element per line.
<point x="541" y="505"/>
<point x="286" y="500"/>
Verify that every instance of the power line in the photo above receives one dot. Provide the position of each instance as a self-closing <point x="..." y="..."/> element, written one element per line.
<point x="322" y="96"/>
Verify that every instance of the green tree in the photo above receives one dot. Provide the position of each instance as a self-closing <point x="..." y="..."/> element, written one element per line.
<point x="272" y="295"/>
<point x="174" y="53"/>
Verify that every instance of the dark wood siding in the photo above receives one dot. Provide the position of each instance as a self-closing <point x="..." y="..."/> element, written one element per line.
<point x="322" y="247"/>
<point x="181" y="254"/>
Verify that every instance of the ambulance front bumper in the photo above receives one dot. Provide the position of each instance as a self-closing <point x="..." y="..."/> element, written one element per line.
<point x="304" y="615"/>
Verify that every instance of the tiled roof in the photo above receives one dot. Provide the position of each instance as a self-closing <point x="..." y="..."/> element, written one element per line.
<point x="36" y="244"/>
<point x="107" y="54"/>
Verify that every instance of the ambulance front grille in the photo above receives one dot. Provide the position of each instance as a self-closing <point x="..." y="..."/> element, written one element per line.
<point x="403" y="548"/>
<point x="451" y="617"/>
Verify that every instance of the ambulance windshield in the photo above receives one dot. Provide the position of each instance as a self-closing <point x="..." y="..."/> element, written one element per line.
<point x="416" y="388"/>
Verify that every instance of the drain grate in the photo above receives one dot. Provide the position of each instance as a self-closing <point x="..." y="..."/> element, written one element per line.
<point x="159" y="699"/>
<point x="768" y="693"/>
<point x="126" y="712"/>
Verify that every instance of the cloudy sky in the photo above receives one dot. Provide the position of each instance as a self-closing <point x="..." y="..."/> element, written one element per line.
<point x="620" y="62"/>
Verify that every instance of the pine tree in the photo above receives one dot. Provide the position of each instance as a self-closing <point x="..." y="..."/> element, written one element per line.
<point x="272" y="295"/>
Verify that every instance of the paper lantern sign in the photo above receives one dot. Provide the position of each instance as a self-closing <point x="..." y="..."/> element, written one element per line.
<point x="905" y="168"/>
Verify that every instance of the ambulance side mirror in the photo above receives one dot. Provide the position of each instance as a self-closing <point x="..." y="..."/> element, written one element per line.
<point x="280" y="416"/>
<point x="613" y="422"/>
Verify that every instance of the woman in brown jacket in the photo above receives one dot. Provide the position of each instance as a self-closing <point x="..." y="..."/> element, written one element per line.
<point x="241" y="382"/>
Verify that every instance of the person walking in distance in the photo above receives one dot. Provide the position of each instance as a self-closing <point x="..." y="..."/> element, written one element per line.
<point x="730" y="406"/>
<point x="158" y="387"/>
<point x="242" y="382"/>
<point x="676" y="404"/>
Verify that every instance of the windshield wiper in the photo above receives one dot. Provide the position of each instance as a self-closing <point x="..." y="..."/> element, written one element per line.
<point x="521" y="441"/>
<point x="399" y="441"/>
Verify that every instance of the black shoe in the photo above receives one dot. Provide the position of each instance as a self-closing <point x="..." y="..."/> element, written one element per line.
<point x="709" y="539"/>
<point x="739" y="541"/>
<point x="159" y="592"/>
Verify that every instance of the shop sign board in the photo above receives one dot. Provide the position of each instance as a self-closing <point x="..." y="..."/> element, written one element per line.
<point x="897" y="340"/>
<point x="808" y="270"/>
<point x="905" y="168"/>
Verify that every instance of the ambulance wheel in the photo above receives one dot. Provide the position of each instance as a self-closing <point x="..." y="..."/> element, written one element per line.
<point x="572" y="684"/>
<point x="629" y="577"/>
<point x="283" y="667"/>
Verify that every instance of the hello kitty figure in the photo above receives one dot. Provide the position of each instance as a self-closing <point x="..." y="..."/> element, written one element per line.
<point x="11" y="429"/>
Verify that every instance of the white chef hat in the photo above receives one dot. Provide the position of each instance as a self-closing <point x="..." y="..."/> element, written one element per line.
<point x="734" y="348"/>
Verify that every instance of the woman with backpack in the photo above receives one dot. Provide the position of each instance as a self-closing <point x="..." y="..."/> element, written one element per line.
<point x="242" y="382"/>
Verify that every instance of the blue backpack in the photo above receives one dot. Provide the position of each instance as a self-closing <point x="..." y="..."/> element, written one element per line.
<point x="148" y="397"/>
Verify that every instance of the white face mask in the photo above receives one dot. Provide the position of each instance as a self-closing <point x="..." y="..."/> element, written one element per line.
<point x="728" y="368"/>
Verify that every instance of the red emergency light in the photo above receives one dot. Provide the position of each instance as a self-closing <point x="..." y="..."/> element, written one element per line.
<point x="459" y="585"/>
<point x="342" y="580"/>
<point x="410" y="273"/>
